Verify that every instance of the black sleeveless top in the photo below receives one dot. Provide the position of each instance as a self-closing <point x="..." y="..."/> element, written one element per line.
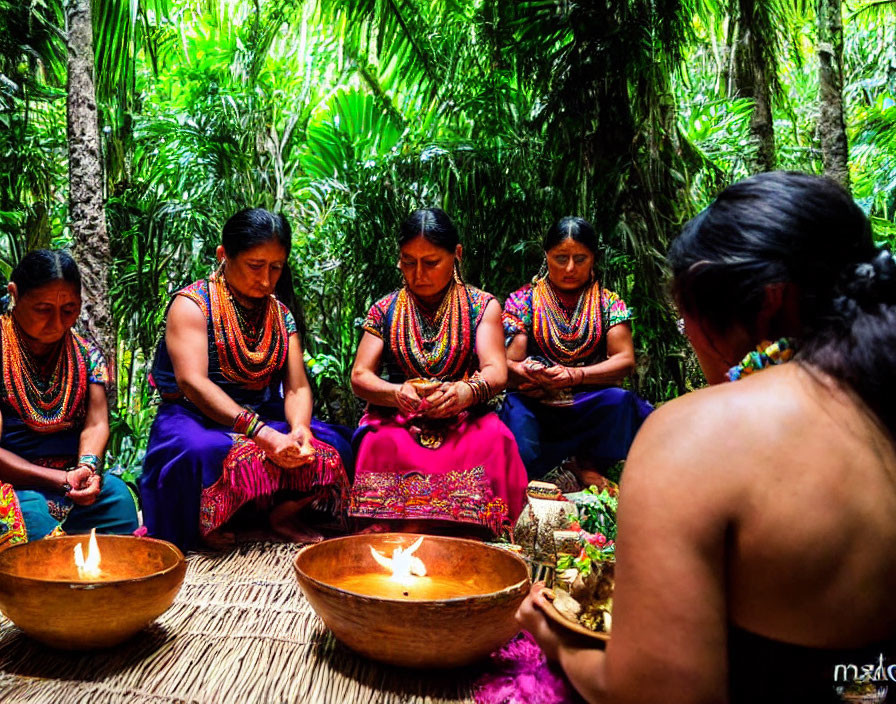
<point x="766" y="671"/>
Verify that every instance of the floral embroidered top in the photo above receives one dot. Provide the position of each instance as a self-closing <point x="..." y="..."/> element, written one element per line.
<point x="247" y="350"/>
<point x="438" y="344"/>
<point x="572" y="338"/>
<point x="47" y="400"/>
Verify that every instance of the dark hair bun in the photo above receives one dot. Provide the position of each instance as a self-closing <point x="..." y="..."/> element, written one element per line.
<point x="868" y="284"/>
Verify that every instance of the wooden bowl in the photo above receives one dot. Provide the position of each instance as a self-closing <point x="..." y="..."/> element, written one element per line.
<point x="410" y="632"/>
<point x="41" y="593"/>
<point x="601" y="636"/>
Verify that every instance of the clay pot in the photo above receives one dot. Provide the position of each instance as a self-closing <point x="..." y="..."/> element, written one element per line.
<point x="41" y="593"/>
<point x="424" y="633"/>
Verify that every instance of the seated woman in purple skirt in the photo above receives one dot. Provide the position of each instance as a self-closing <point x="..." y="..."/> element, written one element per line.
<point x="432" y="456"/>
<point x="224" y="437"/>
<point x="570" y="344"/>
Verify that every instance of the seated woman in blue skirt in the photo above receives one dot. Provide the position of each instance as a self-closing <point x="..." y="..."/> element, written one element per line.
<point x="570" y="344"/>
<point x="54" y="412"/>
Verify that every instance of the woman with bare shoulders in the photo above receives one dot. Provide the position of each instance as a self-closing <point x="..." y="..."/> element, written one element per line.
<point x="235" y="428"/>
<point x="757" y="545"/>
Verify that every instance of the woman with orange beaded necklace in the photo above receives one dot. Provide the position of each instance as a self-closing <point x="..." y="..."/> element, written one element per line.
<point x="54" y="413"/>
<point x="224" y="436"/>
<point x="570" y="345"/>
<point x="432" y="456"/>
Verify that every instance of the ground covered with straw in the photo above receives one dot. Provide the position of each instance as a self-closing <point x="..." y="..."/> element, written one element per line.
<point x="240" y="631"/>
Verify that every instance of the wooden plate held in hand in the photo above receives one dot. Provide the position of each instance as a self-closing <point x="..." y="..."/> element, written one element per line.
<point x="569" y="625"/>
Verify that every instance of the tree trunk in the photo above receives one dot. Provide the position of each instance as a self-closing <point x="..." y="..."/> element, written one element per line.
<point x="753" y="79"/>
<point x="86" y="211"/>
<point x="831" y="126"/>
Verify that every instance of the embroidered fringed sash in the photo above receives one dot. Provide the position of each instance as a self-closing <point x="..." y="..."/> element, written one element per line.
<point x="241" y="362"/>
<point x="441" y="349"/>
<point x="463" y="496"/>
<point x="248" y="475"/>
<point x="51" y="406"/>
<point x="566" y="338"/>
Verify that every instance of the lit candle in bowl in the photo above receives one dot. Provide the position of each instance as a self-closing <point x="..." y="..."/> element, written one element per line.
<point x="61" y="597"/>
<point x="436" y="602"/>
<point x="406" y="579"/>
<point x="88" y="568"/>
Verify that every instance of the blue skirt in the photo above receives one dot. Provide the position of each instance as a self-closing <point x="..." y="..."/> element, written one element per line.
<point x="185" y="455"/>
<point x="45" y="510"/>
<point x="598" y="426"/>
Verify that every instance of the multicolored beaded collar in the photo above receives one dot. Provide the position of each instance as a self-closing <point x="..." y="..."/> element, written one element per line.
<point x="249" y="362"/>
<point x="439" y="349"/>
<point x="765" y="355"/>
<point x="46" y="405"/>
<point x="566" y="338"/>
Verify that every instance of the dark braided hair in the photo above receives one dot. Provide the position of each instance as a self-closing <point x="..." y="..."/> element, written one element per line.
<point x="788" y="227"/>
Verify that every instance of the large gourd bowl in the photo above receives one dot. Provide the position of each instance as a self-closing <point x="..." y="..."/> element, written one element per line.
<point x="432" y="633"/>
<point x="41" y="593"/>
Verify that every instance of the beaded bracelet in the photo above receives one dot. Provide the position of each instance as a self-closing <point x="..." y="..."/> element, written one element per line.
<point x="482" y="390"/>
<point x="92" y="462"/>
<point x="248" y="423"/>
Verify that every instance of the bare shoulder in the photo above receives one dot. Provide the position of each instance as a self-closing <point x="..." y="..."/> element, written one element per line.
<point x="185" y="312"/>
<point x="773" y="425"/>
<point x="492" y="310"/>
<point x="715" y="439"/>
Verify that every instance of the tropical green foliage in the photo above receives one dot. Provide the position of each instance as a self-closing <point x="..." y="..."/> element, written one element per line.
<point x="347" y="115"/>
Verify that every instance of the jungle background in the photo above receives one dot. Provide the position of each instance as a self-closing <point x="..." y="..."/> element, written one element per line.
<point x="131" y="130"/>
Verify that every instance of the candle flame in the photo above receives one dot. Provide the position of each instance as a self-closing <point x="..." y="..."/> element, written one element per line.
<point x="403" y="564"/>
<point x="89" y="568"/>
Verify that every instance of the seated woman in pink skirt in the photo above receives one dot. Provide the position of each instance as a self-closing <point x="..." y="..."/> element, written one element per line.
<point x="430" y="454"/>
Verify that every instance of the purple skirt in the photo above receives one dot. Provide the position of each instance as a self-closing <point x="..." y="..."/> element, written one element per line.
<point x="195" y="476"/>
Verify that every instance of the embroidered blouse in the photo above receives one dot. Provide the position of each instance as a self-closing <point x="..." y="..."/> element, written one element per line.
<point x="441" y="345"/>
<point x="248" y="392"/>
<point x="572" y="338"/>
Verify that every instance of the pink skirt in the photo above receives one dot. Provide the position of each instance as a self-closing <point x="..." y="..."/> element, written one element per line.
<point x="473" y="476"/>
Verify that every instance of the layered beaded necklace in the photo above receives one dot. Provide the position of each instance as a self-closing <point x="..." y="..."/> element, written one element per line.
<point x="440" y="348"/>
<point x="249" y="352"/>
<point x="45" y="404"/>
<point x="566" y="337"/>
